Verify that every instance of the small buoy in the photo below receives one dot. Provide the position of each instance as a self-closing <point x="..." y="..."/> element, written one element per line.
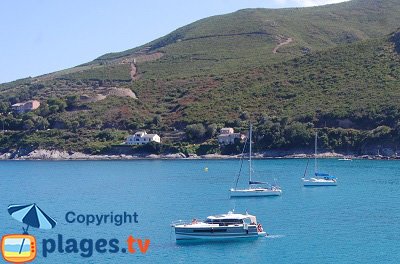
<point x="205" y="169"/>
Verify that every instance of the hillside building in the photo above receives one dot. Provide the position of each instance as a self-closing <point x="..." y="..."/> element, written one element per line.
<point x="26" y="106"/>
<point x="227" y="136"/>
<point x="141" y="138"/>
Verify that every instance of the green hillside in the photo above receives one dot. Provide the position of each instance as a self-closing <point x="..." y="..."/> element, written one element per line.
<point x="247" y="37"/>
<point x="337" y="69"/>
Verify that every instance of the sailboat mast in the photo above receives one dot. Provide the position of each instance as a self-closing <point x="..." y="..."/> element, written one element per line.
<point x="315" y="153"/>
<point x="250" y="136"/>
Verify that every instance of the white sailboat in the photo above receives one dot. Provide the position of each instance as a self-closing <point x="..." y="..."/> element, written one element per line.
<point x="319" y="179"/>
<point x="254" y="188"/>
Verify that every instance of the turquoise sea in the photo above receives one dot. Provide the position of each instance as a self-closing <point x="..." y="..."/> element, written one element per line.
<point x="355" y="222"/>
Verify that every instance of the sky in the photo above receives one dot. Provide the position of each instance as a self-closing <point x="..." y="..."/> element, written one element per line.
<point x="43" y="36"/>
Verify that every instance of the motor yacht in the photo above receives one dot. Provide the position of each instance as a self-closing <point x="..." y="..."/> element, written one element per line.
<point x="216" y="227"/>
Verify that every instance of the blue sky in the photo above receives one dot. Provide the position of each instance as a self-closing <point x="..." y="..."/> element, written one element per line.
<point x="42" y="36"/>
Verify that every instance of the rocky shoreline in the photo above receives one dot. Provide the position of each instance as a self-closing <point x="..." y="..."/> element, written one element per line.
<point x="42" y="154"/>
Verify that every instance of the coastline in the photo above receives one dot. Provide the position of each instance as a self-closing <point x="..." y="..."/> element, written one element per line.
<point x="42" y="154"/>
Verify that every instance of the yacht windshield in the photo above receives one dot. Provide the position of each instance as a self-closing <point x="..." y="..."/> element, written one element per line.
<point x="224" y="222"/>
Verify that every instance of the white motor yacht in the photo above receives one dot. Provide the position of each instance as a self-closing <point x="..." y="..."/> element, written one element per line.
<point x="216" y="227"/>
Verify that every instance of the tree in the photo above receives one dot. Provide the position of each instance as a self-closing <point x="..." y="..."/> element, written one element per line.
<point x="53" y="109"/>
<point x="284" y="121"/>
<point x="29" y="115"/>
<point x="74" y="125"/>
<point x="61" y="104"/>
<point x="133" y="124"/>
<point x="211" y="130"/>
<point x="157" y="120"/>
<point x="195" y="131"/>
<point x="237" y="123"/>
<point x="272" y="136"/>
<point x="42" y="123"/>
<point x="28" y="124"/>
<point x="298" y="134"/>
<point x="97" y="123"/>
<point x="72" y="101"/>
<point x="84" y="121"/>
<point x="4" y="107"/>
<point x="263" y="119"/>
<point x="381" y="132"/>
<point x="244" y="116"/>
<point x="106" y="135"/>
<point x="44" y="109"/>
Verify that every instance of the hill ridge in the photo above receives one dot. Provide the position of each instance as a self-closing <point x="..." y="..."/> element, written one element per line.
<point x="272" y="20"/>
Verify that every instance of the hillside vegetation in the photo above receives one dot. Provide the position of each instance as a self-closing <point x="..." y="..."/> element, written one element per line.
<point x="339" y="74"/>
<point x="247" y="37"/>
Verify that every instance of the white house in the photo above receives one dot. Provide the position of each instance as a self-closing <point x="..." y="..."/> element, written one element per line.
<point x="141" y="138"/>
<point x="227" y="136"/>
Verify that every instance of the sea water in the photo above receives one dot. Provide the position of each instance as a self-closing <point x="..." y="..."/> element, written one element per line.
<point x="357" y="221"/>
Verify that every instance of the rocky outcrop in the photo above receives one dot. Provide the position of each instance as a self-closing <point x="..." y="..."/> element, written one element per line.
<point x="90" y="99"/>
<point x="121" y="92"/>
<point x="219" y="156"/>
<point x="43" y="154"/>
<point x="5" y="156"/>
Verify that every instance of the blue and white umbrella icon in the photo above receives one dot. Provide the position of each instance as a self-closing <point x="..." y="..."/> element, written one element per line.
<point x="31" y="215"/>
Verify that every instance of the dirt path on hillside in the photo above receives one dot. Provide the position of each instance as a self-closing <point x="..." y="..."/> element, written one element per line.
<point x="133" y="71"/>
<point x="286" y="42"/>
<point x="140" y="58"/>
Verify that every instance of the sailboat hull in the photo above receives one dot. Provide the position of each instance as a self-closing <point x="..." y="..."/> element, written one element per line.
<point x="254" y="192"/>
<point x="319" y="182"/>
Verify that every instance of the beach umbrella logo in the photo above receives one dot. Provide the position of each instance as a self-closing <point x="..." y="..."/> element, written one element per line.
<point x="32" y="216"/>
<point x="22" y="248"/>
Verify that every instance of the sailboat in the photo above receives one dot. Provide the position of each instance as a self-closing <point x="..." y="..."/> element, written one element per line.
<point x="319" y="179"/>
<point x="254" y="188"/>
